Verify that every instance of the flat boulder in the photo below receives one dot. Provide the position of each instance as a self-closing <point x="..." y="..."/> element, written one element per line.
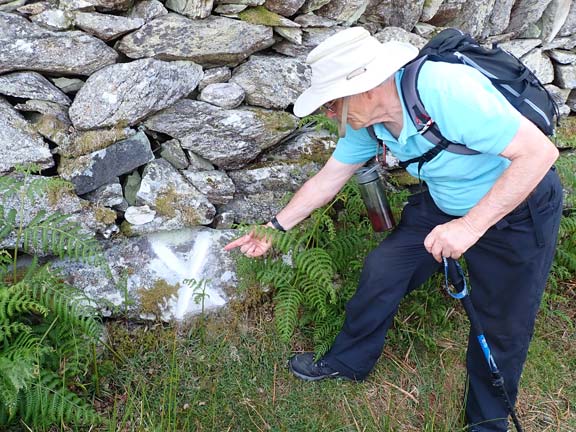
<point x="213" y="41"/>
<point x="31" y="85"/>
<point x="149" y="274"/>
<point x="228" y="139"/>
<point x="27" y="46"/>
<point x="128" y="92"/>
<point x="89" y="172"/>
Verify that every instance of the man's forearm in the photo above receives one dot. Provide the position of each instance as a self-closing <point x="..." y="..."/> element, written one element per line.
<point x="316" y="192"/>
<point x="515" y="184"/>
<point x="307" y="199"/>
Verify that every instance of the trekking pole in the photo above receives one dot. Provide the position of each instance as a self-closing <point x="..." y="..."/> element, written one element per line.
<point x="453" y="272"/>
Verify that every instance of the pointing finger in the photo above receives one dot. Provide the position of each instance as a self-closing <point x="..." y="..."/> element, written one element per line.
<point x="238" y="242"/>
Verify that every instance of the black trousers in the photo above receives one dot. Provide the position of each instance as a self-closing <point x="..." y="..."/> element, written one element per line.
<point x="508" y="268"/>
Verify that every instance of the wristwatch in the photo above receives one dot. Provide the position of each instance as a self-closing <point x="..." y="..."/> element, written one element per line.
<point x="276" y="224"/>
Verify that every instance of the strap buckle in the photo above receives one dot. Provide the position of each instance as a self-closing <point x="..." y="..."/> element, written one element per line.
<point x="427" y="126"/>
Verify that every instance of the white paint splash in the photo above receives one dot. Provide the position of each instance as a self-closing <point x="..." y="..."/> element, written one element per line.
<point x="174" y="268"/>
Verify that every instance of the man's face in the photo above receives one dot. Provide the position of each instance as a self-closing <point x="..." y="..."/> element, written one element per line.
<point x="337" y="110"/>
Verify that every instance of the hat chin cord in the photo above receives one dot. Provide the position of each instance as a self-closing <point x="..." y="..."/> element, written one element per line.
<point x="343" y="117"/>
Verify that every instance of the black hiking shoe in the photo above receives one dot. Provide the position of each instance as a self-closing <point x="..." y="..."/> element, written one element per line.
<point x="304" y="367"/>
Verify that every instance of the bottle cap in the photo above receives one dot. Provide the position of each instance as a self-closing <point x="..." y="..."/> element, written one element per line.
<point x="367" y="174"/>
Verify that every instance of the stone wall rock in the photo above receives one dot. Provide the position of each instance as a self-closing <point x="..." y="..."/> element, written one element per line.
<point x="126" y="93"/>
<point x="19" y="143"/>
<point x="26" y="46"/>
<point x="214" y="41"/>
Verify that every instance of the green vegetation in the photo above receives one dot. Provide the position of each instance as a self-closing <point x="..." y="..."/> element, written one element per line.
<point x="319" y="122"/>
<point x="564" y="266"/>
<point x="566" y="133"/>
<point x="261" y="15"/>
<point x="227" y="372"/>
<point x="154" y="299"/>
<point x="48" y="331"/>
<point x="164" y="378"/>
<point x="326" y="254"/>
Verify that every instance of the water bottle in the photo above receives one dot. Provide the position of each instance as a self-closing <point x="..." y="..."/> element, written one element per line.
<point x="374" y="197"/>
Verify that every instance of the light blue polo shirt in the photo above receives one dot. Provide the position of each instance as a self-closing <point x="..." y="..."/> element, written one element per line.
<point x="468" y="110"/>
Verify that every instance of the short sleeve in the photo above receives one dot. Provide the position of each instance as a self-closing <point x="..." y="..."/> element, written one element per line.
<point x="357" y="146"/>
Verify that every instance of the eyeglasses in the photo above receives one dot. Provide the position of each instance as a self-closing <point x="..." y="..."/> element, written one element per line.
<point x="330" y="106"/>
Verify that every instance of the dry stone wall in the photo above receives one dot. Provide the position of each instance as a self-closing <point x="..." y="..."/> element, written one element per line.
<point x="176" y="115"/>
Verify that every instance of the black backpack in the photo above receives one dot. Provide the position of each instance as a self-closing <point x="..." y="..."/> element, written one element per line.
<point x="508" y="74"/>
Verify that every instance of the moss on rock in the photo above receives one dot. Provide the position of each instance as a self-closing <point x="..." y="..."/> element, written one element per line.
<point x="261" y="16"/>
<point x="154" y="299"/>
<point x="105" y="215"/>
<point x="167" y="202"/>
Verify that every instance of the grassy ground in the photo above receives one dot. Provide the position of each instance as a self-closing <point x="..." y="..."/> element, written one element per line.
<point x="229" y="374"/>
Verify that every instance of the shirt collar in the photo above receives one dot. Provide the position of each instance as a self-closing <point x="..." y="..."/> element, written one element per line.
<point x="408" y="127"/>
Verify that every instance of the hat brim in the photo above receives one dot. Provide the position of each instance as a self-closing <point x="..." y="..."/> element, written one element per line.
<point x="377" y="71"/>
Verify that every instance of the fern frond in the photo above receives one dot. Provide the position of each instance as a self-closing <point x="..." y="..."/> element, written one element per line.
<point x="315" y="295"/>
<point x="71" y="349"/>
<point x="61" y="237"/>
<point x="64" y="301"/>
<point x="567" y="259"/>
<point x="326" y="329"/>
<point x="354" y="205"/>
<point x="317" y="265"/>
<point x="27" y="169"/>
<point x="278" y="274"/>
<point x="287" y="302"/>
<point x="564" y="266"/>
<point x="319" y="122"/>
<point x="10" y="329"/>
<point x="25" y="346"/>
<point x="14" y="377"/>
<point x="39" y="186"/>
<point x="49" y="401"/>
<point x="7" y="222"/>
<point x="9" y="186"/>
<point x="324" y="227"/>
<point x="567" y="227"/>
<point x="346" y="249"/>
<point x="13" y="301"/>
<point x="5" y="259"/>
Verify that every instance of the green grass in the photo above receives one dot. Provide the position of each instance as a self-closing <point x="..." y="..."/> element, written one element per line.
<point x="165" y="378"/>
<point x="566" y="133"/>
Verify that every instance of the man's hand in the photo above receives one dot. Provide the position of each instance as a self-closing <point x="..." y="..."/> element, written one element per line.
<point x="531" y="154"/>
<point x="250" y="245"/>
<point x="451" y="239"/>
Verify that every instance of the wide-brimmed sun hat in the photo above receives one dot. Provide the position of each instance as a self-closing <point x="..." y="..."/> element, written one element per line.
<point x="348" y="63"/>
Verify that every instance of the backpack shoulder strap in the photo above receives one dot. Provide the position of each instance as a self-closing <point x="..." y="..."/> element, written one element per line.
<point x="413" y="103"/>
<point x="424" y="123"/>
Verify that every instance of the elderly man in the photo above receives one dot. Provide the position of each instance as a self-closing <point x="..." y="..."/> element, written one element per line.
<point x="500" y="208"/>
